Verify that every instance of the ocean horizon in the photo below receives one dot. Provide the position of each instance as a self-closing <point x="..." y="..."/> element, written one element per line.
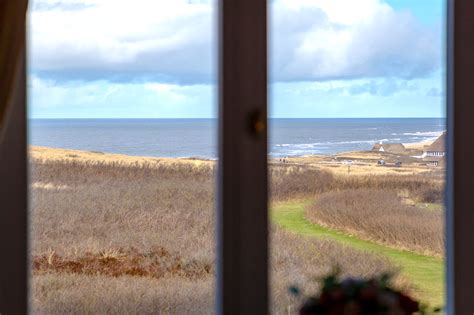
<point x="197" y="137"/>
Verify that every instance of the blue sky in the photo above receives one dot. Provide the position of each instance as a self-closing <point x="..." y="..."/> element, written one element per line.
<point x="157" y="58"/>
<point x="429" y="12"/>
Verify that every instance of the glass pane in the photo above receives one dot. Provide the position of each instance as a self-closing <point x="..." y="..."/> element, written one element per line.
<point x="357" y="153"/>
<point x="122" y="156"/>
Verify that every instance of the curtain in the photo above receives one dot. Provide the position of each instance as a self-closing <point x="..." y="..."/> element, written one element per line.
<point x="12" y="45"/>
<point x="13" y="164"/>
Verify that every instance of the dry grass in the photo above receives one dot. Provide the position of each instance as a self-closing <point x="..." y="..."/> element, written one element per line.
<point x="297" y="181"/>
<point x="122" y="206"/>
<point x="381" y="215"/>
<point x="63" y="293"/>
<point x="422" y="188"/>
<point x="137" y="237"/>
<point x="290" y="181"/>
<point x="45" y="154"/>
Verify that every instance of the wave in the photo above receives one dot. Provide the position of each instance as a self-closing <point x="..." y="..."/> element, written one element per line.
<point x="331" y="143"/>
<point x="420" y="133"/>
<point x="294" y="153"/>
<point x="325" y="147"/>
<point x="426" y="134"/>
<point x="299" y="152"/>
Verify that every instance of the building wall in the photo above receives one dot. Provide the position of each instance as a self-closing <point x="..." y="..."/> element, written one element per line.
<point x="435" y="153"/>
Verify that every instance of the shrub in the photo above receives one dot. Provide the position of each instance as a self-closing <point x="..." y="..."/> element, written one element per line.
<point x="380" y="214"/>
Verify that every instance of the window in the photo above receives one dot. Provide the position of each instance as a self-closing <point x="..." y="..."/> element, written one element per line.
<point x="460" y="284"/>
<point x="122" y="156"/>
<point x="357" y="129"/>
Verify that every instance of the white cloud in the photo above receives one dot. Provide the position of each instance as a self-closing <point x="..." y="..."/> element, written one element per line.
<point x="359" y="98"/>
<point x="340" y="39"/>
<point x="130" y="39"/>
<point x="95" y="99"/>
<point x="174" y="41"/>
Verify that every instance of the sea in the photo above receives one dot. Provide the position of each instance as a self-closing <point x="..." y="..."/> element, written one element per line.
<point x="198" y="137"/>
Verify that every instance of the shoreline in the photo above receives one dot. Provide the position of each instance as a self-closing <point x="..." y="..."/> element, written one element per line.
<point x="340" y="164"/>
<point x="44" y="152"/>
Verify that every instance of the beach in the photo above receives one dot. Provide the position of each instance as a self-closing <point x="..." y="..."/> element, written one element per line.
<point x="363" y="162"/>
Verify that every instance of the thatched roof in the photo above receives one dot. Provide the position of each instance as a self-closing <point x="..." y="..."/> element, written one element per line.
<point x="439" y="145"/>
<point x="389" y="147"/>
<point x="434" y="158"/>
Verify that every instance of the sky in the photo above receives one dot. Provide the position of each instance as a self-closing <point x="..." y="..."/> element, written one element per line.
<point x="157" y="58"/>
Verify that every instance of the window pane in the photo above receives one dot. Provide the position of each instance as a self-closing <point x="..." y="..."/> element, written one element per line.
<point x="357" y="148"/>
<point x="122" y="156"/>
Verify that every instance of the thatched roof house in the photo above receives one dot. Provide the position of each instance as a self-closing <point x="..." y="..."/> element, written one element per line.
<point x="437" y="148"/>
<point x="389" y="147"/>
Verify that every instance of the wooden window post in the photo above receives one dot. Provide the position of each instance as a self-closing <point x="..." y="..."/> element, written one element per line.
<point x="242" y="281"/>
<point x="460" y="169"/>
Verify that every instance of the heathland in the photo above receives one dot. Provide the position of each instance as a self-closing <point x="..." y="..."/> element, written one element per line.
<point x="135" y="235"/>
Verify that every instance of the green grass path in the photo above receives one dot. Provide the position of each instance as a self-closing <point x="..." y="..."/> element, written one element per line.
<point x="426" y="273"/>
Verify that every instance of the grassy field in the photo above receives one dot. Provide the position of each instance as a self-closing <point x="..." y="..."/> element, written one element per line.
<point x="124" y="235"/>
<point x="383" y="216"/>
<point x="425" y="272"/>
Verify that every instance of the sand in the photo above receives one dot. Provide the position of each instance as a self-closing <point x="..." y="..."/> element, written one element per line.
<point x="55" y="154"/>
<point x="345" y="163"/>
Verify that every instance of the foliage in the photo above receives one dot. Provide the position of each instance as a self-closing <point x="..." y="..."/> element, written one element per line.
<point x="358" y="296"/>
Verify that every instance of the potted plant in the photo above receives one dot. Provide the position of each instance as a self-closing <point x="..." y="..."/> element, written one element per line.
<point x="356" y="296"/>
